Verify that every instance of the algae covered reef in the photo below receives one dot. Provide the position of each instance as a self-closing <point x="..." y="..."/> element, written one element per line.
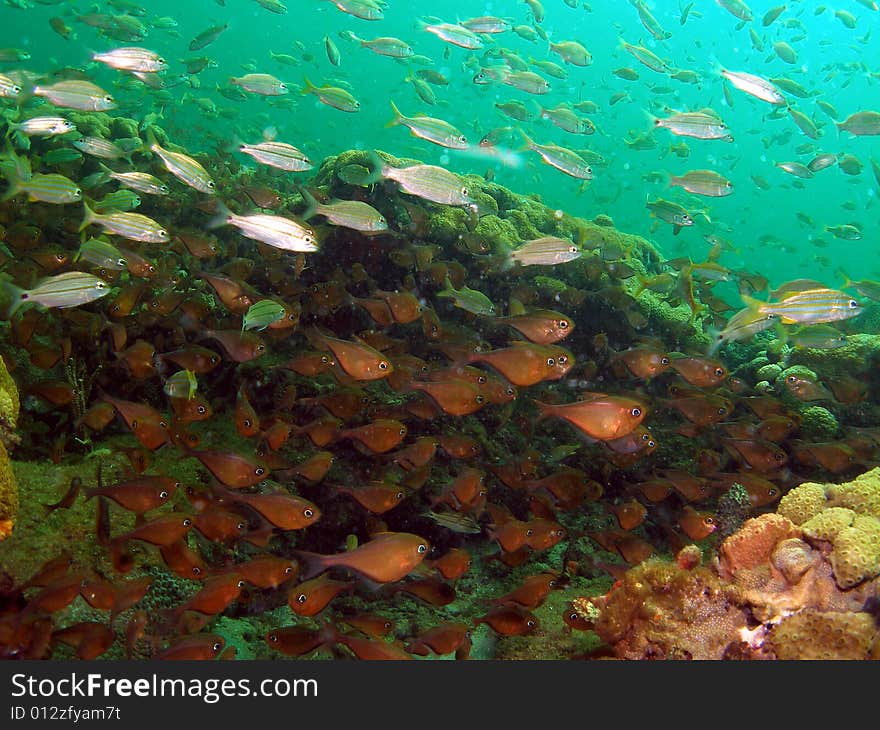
<point x="347" y="398"/>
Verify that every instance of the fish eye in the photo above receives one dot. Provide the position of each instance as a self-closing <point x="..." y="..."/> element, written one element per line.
<point x="108" y="99"/>
<point x="722" y="411"/>
<point x="399" y="495"/>
<point x="273" y="638"/>
<point x="562" y="324"/>
<point x="288" y="570"/>
<point x="215" y="359"/>
<point x="479" y="398"/>
<point x="187" y="522"/>
<point x="559" y="533"/>
<point x="572" y="249"/>
<point x="308" y="512"/>
<point x="260" y="348"/>
<point x="779" y="456"/>
<point x="196" y="570"/>
<point x="530" y="532"/>
<point x="664" y="361"/>
<point x="325" y="360"/>
<point x="462" y="139"/>
<point x="563" y="359"/>
<point x="241" y="526"/>
<point x="302" y="598"/>
<point x="202" y="410"/>
<point x="163" y="234"/>
<point x="652" y="444"/>
<point x="465" y="192"/>
<point x="635" y="412"/>
<point x="551" y="362"/>
<point x="259" y="471"/>
<point x="402" y="431"/>
<point x="423" y="548"/>
<point x="217" y="646"/>
<point x="709" y="521"/>
<point x="510" y="391"/>
<point x="163" y="494"/>
<point x="383" y="365"/>
<point x="853" y="304"/>
<point x="719" y="372"/>
<point x="481" y="379"/>
<point x="573" y="616"/>
<point x="247" y="422"/>
<point x="792" y="378"/>
<point x="240" y="584"/>
<point x="530" y="623"/>
<point x="163" y="188"/>
<point x="772" y="492"/>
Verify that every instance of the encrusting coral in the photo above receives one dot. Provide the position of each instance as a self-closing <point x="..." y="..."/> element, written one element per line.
<point x="796" y="584"/>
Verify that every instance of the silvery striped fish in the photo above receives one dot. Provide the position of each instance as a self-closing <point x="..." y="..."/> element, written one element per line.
<point x="433" y="130"/>
<point x="425" y="181"/>
<point x="70" y="289"/>
<point x="262" y="84"/>
<point x="143" y="182"/>
<point x="545" y="251"/>
<point x="103" y="254"/>
<point x="77" y="94"/>
<point x="354" y="214"/>
<point x="132" y="58"/>
<point x="564" y="160"/>
<point x="52" y="188"/>
<point x="185" y="169"/>
<point x="43" y="126"/>
<point x="133" y="226"/>
<point x="274" y="230"/>
<point x="755" y="86"/>
<point x="8" y="87"/>
<point x="811" y="306"/>
<point x="278" y="154"/>
<point x="99" y="147"/>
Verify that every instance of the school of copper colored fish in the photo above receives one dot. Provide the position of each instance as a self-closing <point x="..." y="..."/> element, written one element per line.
<point x="377" y="406"/>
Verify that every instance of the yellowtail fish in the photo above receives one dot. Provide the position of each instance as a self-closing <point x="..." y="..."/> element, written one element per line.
<point x="143" y="182"/>
<point x="207" y="37"/>
<point x="737" y="8"/>
<point x="51" y="188"/>
<point x="185" y="168"/>
<point x="70" y="289"/>
<point x="274" y="230"/>
<point x="261" y="314"/>
<point x="132" y="58"/>
<point x="457" y="35"/>
<point x="812" y="306"/>
<point x="700" y="125"/>
<point x="76" y="94"/>
<point x="133" y="226"/>
<point x="755" y="86"/>
<point x="278" y="154"/>
<point x="743" y="326"/>
<point x="363" y="9"/>
<point x="572" y="52"/>
<point x="182" y="384"/>
<point x="645" y="57"/>
<point x="795" y="168"/>
<point x="861" y="124"/>
<point x="354" y="214"/>
<point x="332" y="51"/>
<point x="470" y="300"/>
<point x="433" y="130"/>
<point x="546" y="251"/>
<point x="487" y="24"/>
<point x="102" y="254"/>
<point x="332" y="96"/>
<point x="566" y="119"/>
<point x="260" y="84"/>
<point x="43" y="126"/>
<point x="385" y="46"/>
<point x="818" y="337"/>
<point x="99" y="147"/>
<point x="428" y="182"/>
<point x="564" y="160"/>
<point x="703" y="182"/>
<point x="671" y="213"/>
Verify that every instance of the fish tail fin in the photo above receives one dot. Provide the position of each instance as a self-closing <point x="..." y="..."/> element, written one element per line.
<point x="311" y="564"/>
<point x="847" y="282"/>
<point x="643" y="284"/>
<point x="308" y="88"/>
<point x="752" y="303"/>
<point x="378" y="167"/>
<point x="89" y="216"/>
<point x="311" y="203"/>
<point x="527" y="143"/>
<point x="543" y="409"/>
<point x="397" y="118"/>
<point x="222" y="216"/>
<point x="13" y="297"/>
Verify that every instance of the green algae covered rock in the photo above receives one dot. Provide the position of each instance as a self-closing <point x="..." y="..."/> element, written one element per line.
<point x="9" y="408"/>
<point x="818" y="423"/>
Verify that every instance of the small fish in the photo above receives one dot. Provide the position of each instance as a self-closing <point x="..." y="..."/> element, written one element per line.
<point x="278" y="154"/>
<point x="563" y="159"/>
<point x="388" y="557"/>
<point x="133" y="226"/>
<point x="332" y="51"/>
<point x="433" y="130"/>
<point x="207" y="36"/>
<point x="260" y="84"/>
<point x="546" y="251"/>
<point x="185" y="169"/>
<point x="69" y="289"/>
<point x="755" y="86"/>
<point x="700" y="125"/>
<point x="132" y="58"/>
<point x="43" y="126"/>
<point x="182" y="384"/>
<point x="457" y="35"/>
<point x="333" y="96"/>
<point x="274" y="230"/>
<point x="354" y="214"/>
<point x="262" y="314"/>
<point x="861" y="124"/>
<point x="76" y="94"/>
<point x="671" y="213"/>
<point x="703" y="182"/>
<point x="468" y="299"/>
<point x="812" y="306"/>
<point x="102" y="254"/>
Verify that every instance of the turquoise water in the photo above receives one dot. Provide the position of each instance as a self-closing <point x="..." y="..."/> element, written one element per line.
<point x="833" y="63"/>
